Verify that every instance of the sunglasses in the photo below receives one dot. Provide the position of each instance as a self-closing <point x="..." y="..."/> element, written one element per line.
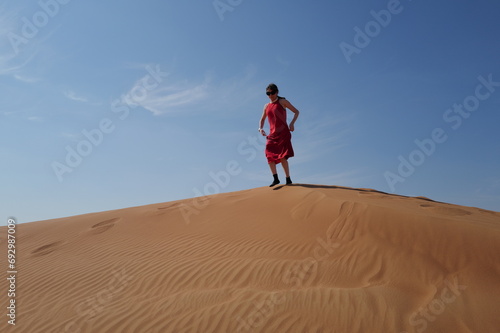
<point x="269" y="93"/>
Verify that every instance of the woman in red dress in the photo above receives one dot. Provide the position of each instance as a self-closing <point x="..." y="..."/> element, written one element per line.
<point x="279" y="141"/>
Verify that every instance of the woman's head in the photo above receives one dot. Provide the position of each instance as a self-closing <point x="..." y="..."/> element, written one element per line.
<point x="272" y="90"/>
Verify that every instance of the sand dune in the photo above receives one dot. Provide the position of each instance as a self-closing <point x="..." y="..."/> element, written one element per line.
<point x="301" y="258"/>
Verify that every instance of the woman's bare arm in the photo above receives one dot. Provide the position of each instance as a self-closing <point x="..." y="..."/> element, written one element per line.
<point x="262" y="120"/>
<point x="286" y="104"/>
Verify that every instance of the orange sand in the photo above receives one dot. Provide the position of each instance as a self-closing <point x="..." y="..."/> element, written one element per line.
<point x="301" y="258"/>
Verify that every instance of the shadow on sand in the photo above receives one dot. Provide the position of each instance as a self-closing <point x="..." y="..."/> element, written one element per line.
<point x="367" y="190"/>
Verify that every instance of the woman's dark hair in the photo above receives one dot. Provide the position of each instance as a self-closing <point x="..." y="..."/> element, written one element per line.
<point x="274" y="87"/>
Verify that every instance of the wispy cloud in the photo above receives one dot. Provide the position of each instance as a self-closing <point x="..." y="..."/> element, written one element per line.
<point x="174" y="97"/>
<point x="8" y="23"/>
<point x="17" y="49"/>
<point x="171" y="96"/>
<point x="35" y="118"/>
<point x="74" y="97"/>
<point x="165" y="97"/>
<point x="12" y="65"/>
<point x="75" y="137"/>
<point x="25" y="79"/>
<point x="322" y="136"/>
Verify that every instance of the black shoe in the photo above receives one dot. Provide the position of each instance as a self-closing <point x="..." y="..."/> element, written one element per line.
<point x="276" y="182"/>
<point x="288" y="181"/>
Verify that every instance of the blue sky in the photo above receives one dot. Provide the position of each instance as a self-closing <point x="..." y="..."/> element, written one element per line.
<point x="112" y="104"/>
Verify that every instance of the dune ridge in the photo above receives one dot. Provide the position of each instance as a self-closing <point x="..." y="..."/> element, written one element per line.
<point x="301" y="258"/>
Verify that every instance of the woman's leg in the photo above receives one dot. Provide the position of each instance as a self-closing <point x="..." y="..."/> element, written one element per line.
<point x="276" y="181"/>
<point x="286" y="168"/>
<point x="272" y="166"/>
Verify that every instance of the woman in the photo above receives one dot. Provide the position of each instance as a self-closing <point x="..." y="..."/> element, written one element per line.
<point x="279" y="145"/>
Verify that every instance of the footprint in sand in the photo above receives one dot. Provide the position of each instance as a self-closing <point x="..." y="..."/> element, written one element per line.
<point x="450" y="211"/>
<point x="103" y="226"/>
<point x="46" y="249"/>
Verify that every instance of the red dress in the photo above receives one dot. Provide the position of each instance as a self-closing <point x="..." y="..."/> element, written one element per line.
<point x="279" y="140"/>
